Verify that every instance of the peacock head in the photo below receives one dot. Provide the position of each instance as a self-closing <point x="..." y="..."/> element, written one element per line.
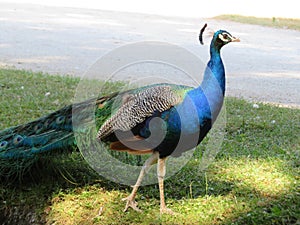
<point x="220" y="38"/>
<point x="223" y="37"/>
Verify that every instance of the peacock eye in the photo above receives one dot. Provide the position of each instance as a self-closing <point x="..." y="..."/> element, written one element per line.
<point x="225" y="36"/>
<point x="18" y="139"/>
<point x="69" y="118"/>
<point x="3" y="145"/>
<point x="60" y="119"/>
<point x="47" y="123"/>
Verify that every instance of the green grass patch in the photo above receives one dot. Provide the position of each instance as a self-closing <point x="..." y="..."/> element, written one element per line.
<point x="253" y="180"/>
<point x="276" y="22"/>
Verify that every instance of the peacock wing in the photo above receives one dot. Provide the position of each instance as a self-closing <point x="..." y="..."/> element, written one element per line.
<point x="134" y="106"/>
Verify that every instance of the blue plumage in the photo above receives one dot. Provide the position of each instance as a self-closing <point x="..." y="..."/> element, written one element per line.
<point x="162" y="119"/>
<point x="48" y="133"/>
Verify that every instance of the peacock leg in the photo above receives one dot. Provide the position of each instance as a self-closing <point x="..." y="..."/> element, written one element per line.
<point x="161" y="172"/>
<point x="130" y="199"/>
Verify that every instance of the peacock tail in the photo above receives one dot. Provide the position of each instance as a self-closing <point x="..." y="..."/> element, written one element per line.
<point x="21" y="146"/>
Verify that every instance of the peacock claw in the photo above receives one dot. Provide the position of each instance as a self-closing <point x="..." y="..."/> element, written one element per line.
<point x="131" y="203"/>
<point x="167" y="211"/>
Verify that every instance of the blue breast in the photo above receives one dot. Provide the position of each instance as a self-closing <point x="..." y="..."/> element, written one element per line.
<point x="185" y="125"/>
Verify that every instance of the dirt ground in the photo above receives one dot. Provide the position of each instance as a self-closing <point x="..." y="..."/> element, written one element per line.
<point x="264" y="66"/>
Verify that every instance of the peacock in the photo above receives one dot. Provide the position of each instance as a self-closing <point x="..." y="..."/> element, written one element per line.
<point x="161" y="120"/>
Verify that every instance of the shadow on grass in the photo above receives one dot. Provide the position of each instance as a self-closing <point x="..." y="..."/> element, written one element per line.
<point x="279" y="209"/>
<point x="28" y="199"/>
<point x="228" y="198"/>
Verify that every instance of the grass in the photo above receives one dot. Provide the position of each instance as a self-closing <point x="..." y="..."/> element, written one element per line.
<point x="270" y="22"/>
<point x="253" y="180"/>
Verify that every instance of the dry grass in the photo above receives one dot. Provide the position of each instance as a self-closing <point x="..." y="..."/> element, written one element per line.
<point x="285" y="23"/>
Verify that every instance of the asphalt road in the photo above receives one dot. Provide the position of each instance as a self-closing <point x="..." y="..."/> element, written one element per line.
<point x="264" y="66"/>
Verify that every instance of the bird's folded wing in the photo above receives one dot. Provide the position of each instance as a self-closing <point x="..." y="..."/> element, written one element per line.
<point x="136" y="106"/>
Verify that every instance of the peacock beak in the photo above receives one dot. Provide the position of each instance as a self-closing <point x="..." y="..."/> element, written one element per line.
<point x="234" y="39"/>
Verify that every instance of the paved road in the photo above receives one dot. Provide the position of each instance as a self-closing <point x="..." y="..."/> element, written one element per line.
<point x="263" y="67"/>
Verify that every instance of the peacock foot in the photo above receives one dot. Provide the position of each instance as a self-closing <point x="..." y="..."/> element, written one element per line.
<point x="165" y="210"/>
<point x="131" y="203"/>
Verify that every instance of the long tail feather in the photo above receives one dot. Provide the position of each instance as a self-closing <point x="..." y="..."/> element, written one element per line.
<point x="45" y="134"/>
<point x="21" y="146"/>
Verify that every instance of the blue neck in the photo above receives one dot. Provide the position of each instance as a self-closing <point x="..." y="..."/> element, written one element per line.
<point x="209" y="95"/>
<point x="214" y="71"/>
